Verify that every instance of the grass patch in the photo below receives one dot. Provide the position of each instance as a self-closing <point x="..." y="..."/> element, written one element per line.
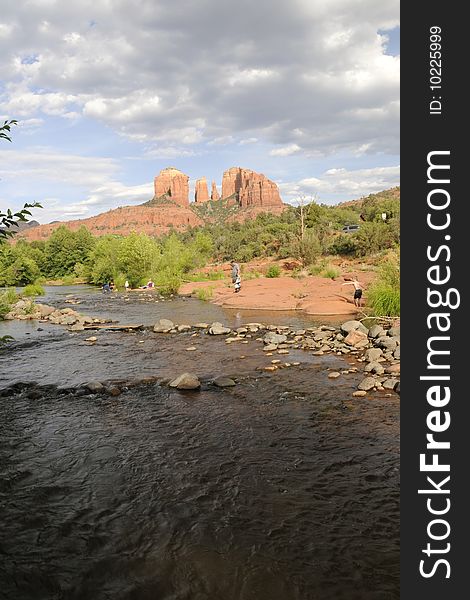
<point x="7" y="299"/>
<point x="210" y="276"/>
<point x="273" y="271"/>
<point x="205" y="294"/>
<point x="33" y="289"/>
<point x="330" y="272"/>
<point x="383" y="295"/>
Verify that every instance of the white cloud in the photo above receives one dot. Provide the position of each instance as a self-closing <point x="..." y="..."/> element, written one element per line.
<point x="285" y="151"/>
<point x="209" y="72"/>
<point x="340" y="182"/>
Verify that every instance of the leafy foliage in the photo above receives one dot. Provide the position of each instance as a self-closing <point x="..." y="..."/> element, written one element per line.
<point x="383" y="295"/>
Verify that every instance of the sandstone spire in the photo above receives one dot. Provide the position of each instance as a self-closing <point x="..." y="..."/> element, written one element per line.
<point x="214" y="192"/>
<point x="201" y="193"/>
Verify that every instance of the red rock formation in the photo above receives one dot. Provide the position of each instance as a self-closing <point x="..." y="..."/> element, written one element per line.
<point x="152" y="220"/>
<point x="252" y="192"/>
<point x="214" y="192"/>
<point x="172" y="183"/>
<point x="201" y="193"/>
<point x="252" y="189"/>
<point x="231" y="181"/>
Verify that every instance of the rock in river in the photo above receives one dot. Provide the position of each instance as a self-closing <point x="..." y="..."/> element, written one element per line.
<point x="353" y="326"/>
<point x="367" y="384"/>
<point x="218" y="329"/>
<point x="164" y="326"/>
<point x="186" y="381"/>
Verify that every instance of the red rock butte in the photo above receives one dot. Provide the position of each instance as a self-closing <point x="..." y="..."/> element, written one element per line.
<point x="173" y="184"/>
<point x="250" y="189"/>
<point x="248" y="192"/>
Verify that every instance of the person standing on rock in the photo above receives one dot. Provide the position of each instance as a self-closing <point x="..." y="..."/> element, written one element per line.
<point x="357" y="291"/>
<point x="236" y="276"/>
<point x="126" y="285"/>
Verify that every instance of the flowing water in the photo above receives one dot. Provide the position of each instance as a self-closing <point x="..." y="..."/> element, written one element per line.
<point x="283" y="487"/>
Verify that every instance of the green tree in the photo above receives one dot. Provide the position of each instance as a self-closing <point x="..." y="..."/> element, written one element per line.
<point x="137" y="254"/>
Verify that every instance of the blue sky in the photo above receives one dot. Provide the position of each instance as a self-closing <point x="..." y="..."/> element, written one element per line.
<point x="306" y="92"/>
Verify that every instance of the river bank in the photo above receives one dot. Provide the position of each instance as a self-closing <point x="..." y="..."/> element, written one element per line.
<point x="316" y="296"/>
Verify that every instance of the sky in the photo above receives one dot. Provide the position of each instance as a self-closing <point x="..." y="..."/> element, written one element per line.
<point x="109" y="92"/>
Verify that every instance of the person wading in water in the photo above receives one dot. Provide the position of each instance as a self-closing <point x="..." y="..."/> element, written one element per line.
<point x="236" y="279"/>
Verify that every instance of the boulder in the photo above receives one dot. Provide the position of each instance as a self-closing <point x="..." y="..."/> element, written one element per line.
<point x="45" y="310"/>
<point x="181" y="328"/>
<point x="270" y="347"/>
<point x="396" y="354"/>
<point x="218" y="329"/>
<point x="186" y="381"/>
<point x="372" y="354"/>
<point x="353" y="326"/>
<point x="394" y="331"/>
<point x="387" y="343"/>
<point x="376" y="331"/>
<point x="333" y="375"/>
<point x="163" y="326"/>
<point x="390" y="384"/>
<point x="113" y="390"/>
<point x="374" y="367"/>
<point x="393" y="368"/>
<point x="355" y="337"/>
<point x="94" y="386"/>
<point x="367" y="384"/>
<point x="274" y="338"/>
<point x="359" y="393"/>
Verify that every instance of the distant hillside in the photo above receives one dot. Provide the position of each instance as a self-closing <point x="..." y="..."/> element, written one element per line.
<point x="390" y="194"/>
<point x="161" y="215"/>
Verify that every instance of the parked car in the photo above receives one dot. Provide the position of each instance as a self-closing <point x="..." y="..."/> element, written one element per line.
<point x="350" y="228"/>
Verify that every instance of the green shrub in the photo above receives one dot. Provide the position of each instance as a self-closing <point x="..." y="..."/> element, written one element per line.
<point x="210" y="276"/>
<point x="168" y="282"/>
<point x="383" y="295"/>
<point x="7" y="299"/>
<point x="273" y="271"/>
<point x="330" y="272"/>
<point x="33" y="289"/>
<point x="205" y="294"/>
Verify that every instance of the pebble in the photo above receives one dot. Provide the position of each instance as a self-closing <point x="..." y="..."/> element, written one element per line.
<point x="333" y="375"/>
<point x="359" y="393"/>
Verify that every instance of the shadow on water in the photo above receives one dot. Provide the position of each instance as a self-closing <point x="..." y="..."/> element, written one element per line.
<point x="281" y="488"/>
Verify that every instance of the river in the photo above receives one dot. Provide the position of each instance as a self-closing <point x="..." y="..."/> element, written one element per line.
<point x="282" y="487"/>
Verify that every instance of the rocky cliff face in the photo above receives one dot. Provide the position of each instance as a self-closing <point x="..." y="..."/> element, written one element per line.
<point x="214" y="192"/>
<point x="201" y="193"/>
<point x="250" y="194"/>
<point x="174" y="184"/>
<point x="251" y="189"/>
